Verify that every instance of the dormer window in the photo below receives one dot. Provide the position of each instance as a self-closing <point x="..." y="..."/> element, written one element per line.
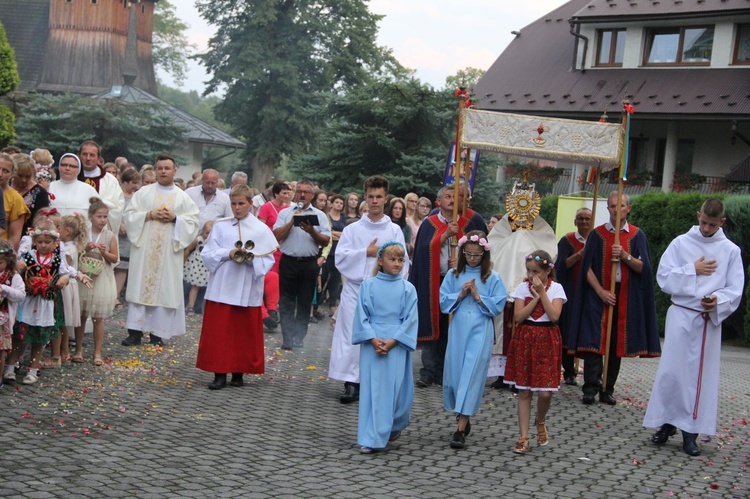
<point x="610" y="47"/>
<point x="742" y="45"/>
<point x="679" y="46"/>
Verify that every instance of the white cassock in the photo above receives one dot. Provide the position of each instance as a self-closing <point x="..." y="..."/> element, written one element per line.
<point x="508" y="250"/>
<point x="111" y="194"/>
<point x="154" y="294"/>
<point x="675" y="398"/>
<point x="354" y="264"/>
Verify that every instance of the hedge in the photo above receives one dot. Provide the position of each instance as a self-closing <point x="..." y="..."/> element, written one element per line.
<point x="664" y="216"/>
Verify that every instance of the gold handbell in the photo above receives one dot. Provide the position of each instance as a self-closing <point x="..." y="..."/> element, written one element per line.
<point x="249" y="245"/>
<point x="240" y="255"/>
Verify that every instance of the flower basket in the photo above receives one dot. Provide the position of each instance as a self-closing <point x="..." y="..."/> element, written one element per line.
<point x="91" y="263"/>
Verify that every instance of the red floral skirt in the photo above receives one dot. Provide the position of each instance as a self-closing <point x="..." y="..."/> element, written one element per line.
<point x="534" y="358"/>
<point x="231" y="339"/>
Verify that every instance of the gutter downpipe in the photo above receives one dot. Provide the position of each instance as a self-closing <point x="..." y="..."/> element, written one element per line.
<point x="575" y="31"/>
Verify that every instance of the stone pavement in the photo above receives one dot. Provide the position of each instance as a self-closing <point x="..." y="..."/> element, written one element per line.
<point x="144" y="425"/>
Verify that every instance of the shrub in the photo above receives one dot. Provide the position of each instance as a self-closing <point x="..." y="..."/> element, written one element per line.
<point x="548" y="210"/>
<point x="7" y="126"/>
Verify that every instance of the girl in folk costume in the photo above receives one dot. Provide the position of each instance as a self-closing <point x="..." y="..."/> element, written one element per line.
<point x="196" y="273"/>
<point x="385" y="325"/>
<point x="238" y="254"/>
<point x="474" y="294"/>
<point x="12" y="291"/>
<point x="73" y="237"/>
<point x="534" y="354"/>
<point x="41" y="317"/>
<point x="99" y="300"/>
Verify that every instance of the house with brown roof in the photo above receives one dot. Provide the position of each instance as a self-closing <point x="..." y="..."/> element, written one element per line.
<point x="683" y="64"/>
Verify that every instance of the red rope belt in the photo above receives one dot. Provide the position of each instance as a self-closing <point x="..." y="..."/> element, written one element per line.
<point x="703" y="347"/>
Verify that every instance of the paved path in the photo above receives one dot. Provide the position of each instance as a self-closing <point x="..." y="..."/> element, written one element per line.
<point x="146" y="426"/>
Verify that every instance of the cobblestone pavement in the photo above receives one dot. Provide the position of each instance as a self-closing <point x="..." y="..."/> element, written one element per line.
<point x="144" y="425"/>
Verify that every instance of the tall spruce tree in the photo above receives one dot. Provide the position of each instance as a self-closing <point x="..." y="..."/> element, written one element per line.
<point x="9" y="81"/>
<point x="61" y="123"/>
<point x="278" y="59"/>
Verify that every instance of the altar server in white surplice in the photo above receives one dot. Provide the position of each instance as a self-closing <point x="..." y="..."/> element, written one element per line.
<point x="703" y="272"/>
<point x="161" y="221"/>
<point x="355" y="259"/>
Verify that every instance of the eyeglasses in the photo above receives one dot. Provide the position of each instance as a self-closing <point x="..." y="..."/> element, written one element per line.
<point x="583" y="219"/>
<point x="303" y="192"/>
<point x="473" y="255"/>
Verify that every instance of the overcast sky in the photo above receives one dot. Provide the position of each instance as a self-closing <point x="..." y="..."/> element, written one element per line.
<point x="434" y="37"/>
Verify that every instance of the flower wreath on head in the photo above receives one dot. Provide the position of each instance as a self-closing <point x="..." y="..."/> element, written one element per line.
<point x="389" y="243"/>
<point x="46" y="232"/>
<point x="475" y="239"/>
<point x="540" y="260"/>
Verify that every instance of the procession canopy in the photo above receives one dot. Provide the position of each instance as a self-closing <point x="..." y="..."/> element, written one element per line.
<point x="556" y="139"/>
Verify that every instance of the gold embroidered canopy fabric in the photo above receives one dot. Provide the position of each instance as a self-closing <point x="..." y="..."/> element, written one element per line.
<point x="571" y="141"/>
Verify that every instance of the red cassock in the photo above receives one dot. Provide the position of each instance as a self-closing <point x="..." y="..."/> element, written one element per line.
<point x="232" y="340"/>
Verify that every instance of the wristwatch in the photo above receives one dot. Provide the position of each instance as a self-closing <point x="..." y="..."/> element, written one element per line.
<point x="630" y="257"/>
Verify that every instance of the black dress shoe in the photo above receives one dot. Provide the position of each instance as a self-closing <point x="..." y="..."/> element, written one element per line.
<point x="689" y="445"/>
<point x="607" y="398"/>
<point x="570" y="380"/>
<point x="236" y="380"/>
<point x="219" y="382"/>
<point x="351" y="393"/>
<point x="133" y="339"/>
<point x="155" y="340"/>
<point x="499" y="384"/>
<point x="663" y="434"/>
<point x="459" y="440"/>
<point x="467" y="430"/>
<point x="589" y="399"/>
<point x="423" y="383"/>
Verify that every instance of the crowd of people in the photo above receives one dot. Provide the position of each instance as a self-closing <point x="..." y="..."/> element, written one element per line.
<point x="391" y="274"/>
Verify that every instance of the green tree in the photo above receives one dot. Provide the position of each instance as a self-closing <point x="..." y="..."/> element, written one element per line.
<point x="61" y="123"/>
<point x="9" y="81"/>
<point x="281" y="58"/>
<point x="398" y="127"/>
<point x="466" y="78"/>
<point x="170" y="47"/>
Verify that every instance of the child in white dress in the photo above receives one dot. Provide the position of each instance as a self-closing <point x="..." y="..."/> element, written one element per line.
<point x="73" y="236"/>
<point x="99" y="301"/>
<point x="12" y="291"/>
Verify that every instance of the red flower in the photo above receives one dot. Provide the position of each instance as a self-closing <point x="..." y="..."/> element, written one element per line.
<point x="628" y="108"/>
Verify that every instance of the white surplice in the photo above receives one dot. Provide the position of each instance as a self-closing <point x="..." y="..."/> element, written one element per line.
<point x="154" y="292"/>
<point x="673" y="398"/>
<point x="232" y="283"/>
<point x="354" y="264"/>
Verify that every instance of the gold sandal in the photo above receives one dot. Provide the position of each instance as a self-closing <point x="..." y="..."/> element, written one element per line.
<point x="542" y="438"/>
<point x="522" y="446"/>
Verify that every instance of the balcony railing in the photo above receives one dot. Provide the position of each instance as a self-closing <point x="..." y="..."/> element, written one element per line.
<point x="710" y="185"/>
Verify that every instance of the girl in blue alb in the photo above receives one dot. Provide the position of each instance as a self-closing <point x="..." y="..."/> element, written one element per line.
<point x="474" y="294"/>
<point x="385" y="324"/>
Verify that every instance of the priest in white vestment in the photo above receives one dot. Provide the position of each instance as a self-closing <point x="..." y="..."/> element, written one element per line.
<point x="106" y="185"/>
<point x="161" y="221"/>
<point x="355" y="260"/>
<point x="703" y="272"/>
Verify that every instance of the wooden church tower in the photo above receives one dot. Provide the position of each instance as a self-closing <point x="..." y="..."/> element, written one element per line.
<point x="88" y="45"/>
